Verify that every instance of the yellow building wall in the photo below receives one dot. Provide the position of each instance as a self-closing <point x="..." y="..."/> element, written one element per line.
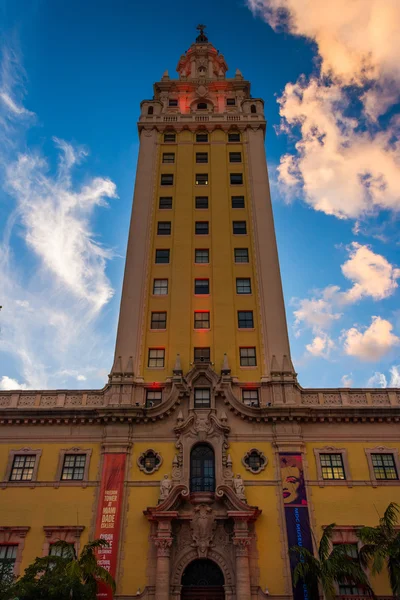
<point x="48" y="505"/>
<point x="181" y="302"/>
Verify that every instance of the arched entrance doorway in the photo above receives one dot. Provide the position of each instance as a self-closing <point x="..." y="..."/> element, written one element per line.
<point x="202" y="580"/>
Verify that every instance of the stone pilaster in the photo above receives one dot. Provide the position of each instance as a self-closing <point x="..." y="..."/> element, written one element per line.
<point x="241" y="542"/>
<point x="163" y="543"/>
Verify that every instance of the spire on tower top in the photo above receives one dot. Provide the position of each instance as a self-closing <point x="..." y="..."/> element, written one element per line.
<point x="201" y="37"/>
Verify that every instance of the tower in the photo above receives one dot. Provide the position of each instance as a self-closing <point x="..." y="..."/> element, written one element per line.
<point x="202" y="280"/>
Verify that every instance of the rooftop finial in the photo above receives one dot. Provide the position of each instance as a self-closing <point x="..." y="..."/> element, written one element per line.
<point x="202" y="37"/>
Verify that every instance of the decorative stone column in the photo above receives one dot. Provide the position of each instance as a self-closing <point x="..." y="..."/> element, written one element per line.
<point x="241" y="541"/>
<point x="163" y="543"/>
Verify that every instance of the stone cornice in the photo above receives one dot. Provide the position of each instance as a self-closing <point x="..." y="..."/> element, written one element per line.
<point x="116" y="403"/>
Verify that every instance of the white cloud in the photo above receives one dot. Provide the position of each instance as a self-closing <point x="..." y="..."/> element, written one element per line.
<point x="56" y="218"/>
<point x="372" y="274"/>
<point x="373" y="343"/>
<point x="346" y="380"/>
<point x="377" y="380"/>
<point x="51" y="310"/>
<point x="344" y="166"/>
<point x="395" y="376"/>
<point x="317" y="313"/>
<point x="321" y="345"/>
<point x="8" y="383"/>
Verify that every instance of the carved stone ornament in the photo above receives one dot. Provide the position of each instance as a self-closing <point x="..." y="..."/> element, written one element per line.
<point x="254" y="461"/>
<point x="238" y="486"/>
<point x="165" y="487"/>
<point x="149" y="461"/>
<point x="203" y="527"/>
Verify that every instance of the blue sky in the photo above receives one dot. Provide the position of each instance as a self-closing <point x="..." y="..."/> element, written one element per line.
<point x="71" y="80"/>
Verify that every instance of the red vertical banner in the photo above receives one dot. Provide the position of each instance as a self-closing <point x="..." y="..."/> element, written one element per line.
<point x="108" y="520"/>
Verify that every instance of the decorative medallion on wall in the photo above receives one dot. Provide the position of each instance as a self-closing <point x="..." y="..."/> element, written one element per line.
<point x="149" y="461"/>
<point x="254" y="461"/>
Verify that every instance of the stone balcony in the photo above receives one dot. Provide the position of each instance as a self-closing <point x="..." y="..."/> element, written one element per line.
<point x="180" y="120"/>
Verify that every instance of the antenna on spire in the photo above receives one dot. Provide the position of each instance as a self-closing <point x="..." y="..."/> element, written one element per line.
<point x="202" y="37"/>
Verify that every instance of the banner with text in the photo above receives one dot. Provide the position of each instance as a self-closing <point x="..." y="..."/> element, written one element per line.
<point x="109" y="516"/>
<point x="296" y="513"/>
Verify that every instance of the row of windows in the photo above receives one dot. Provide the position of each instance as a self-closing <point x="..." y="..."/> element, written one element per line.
<point x="73" y="468"/>
<point x="201" y="157"/>
<point x="332" y="467"/>
<point x="244" y="317"/>
<point x="202" y="396"/>
<point x="201" y="137"/>
<point x="202" y="227"/>
<point x="165" y="202"/>
<point x="201" y="179"/>
<point x="156" y="356"/>
<point x="201" y="256"/>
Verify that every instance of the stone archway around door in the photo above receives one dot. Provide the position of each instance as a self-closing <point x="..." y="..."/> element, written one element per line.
<point x="202" y="580"/>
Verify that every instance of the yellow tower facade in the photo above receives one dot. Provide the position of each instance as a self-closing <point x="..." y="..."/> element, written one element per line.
<point x="202" y="461"/>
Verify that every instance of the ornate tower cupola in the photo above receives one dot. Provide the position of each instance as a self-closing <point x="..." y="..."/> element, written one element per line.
<point x="201" y="61"/>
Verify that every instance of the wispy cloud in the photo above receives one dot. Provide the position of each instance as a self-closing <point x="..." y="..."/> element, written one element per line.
<point x="380" y="380"/>
<point x="346" y="166"/>
<point x="50" y="306"/>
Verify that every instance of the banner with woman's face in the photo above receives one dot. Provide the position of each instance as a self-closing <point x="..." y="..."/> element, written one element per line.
<point x="296" y="512"/>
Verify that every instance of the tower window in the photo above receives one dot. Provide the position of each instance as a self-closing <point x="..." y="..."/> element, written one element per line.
<point x="202" y="256"/>
<point x="173" y="102"/>
<point x="201" y="179"/>
<point x="164" y="228"/>
<point x="150" y="110"/>
<point x="153" y="398"/>
<point x="241" y="255"/>
<point x="236" y="178"/>
<point x="202" y="320"/>
<point x="201" y="137"/>
<point x="332" y="466"/>
<point x="250" y="397"/>
<point x="202" y="355"/>
<point x="384" y="466"/>
<point x="247" y="357"/>
<point x="245" y="319"/>
<point x="167" y="179"/>
<point x="169" y="137"/>
<point x="22" y="468"/>
<point x="230" y="101"/>
<point x="201" y="228"/>
<point x="202" y="106"/>
<point x="201" y="286"/>
<point x="168" y="157"/>
<point x="162" y="257"/>
<point x="239" y="227"/>
<point x="202" y="469"/>
<point x="156" y="358"/>
<point x="253" y="108"/>
<point x="73" y="467"/>
<point x="243" y="285"/>
<point x="201" y="201"/>
<point x="237" y="201"/>
<point x="234" y="137"/>
<point x="202" y="157"/>
<point x="160" y="287"/>
<point x="202" y="398"/>
<point x="158" y="320"/>
<point x="165" y="202"/>
<point x="235" y="157"/>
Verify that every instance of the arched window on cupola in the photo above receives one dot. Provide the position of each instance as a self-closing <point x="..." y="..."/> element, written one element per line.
<point x="202" y="106"/>
<point x="202" y="469"/>
<point x="150" y="110"/>
<point x="253" y="108"/>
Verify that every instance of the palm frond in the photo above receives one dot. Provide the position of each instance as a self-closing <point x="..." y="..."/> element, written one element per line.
<point x="390" y="517"/>
<point x="325" y="542"/>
